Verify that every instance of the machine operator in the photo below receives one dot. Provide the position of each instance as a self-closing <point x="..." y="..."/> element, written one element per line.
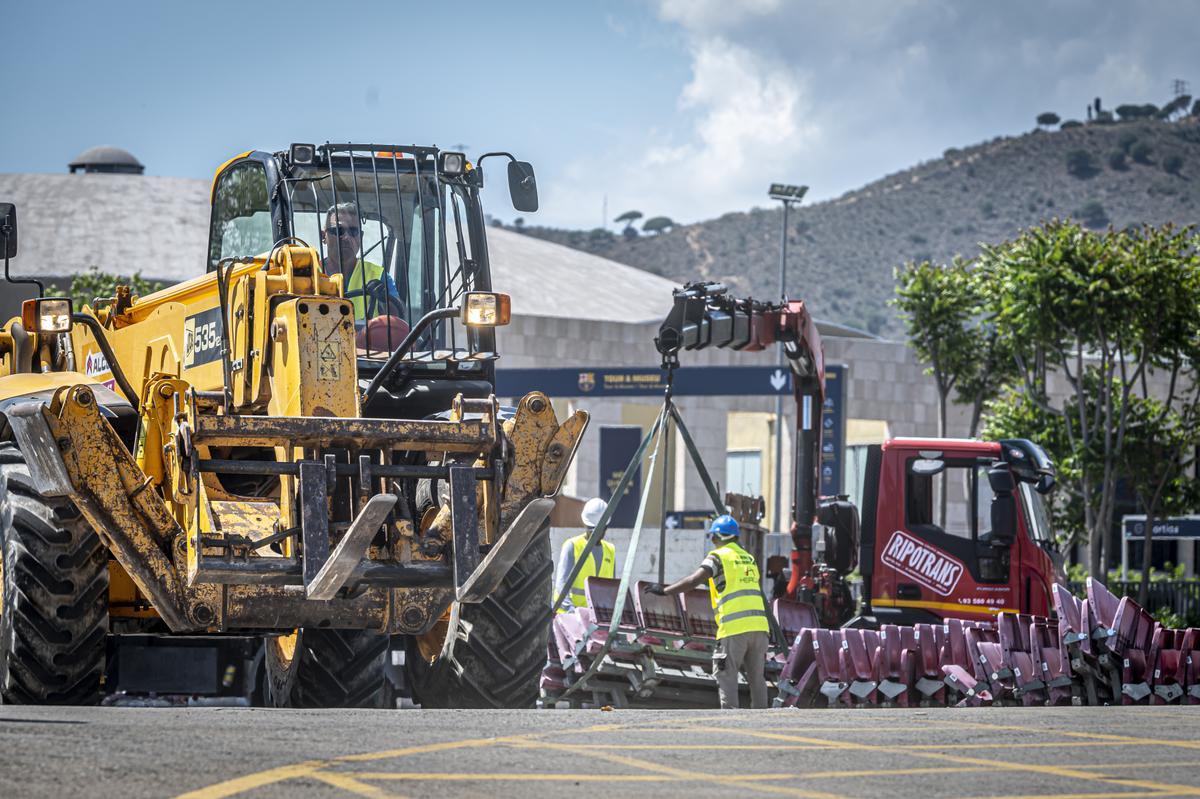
<point x="743" y="630"/>
<point x="378" y="310"/>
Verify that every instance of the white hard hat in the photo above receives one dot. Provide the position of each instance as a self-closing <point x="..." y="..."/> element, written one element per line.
<point x="592" y="511"/>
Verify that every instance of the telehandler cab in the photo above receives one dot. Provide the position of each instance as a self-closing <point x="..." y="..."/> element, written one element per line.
<point x="301" y="447"/>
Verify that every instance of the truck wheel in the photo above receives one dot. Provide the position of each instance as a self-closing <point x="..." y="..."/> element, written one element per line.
<point x="53" y="595"/>
<point x="328" y="668"/>
<point x="490" y="654"/>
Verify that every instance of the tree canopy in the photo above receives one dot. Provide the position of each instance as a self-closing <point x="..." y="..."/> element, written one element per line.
<point x="1082" y="341"/>
<point x="658" y="224"/>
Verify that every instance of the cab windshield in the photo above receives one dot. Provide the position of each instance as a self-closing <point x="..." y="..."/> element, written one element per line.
<point x="396" y="233"/>
<point x="1037" y="515"/>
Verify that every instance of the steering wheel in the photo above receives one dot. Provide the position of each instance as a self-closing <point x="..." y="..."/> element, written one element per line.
<point x="381" y="298"/>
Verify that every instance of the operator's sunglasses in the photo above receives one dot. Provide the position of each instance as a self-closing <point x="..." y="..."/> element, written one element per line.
<point x="342" y="231"/>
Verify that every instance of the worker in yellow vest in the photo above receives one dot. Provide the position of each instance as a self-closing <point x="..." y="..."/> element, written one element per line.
<point x="743" y="629"/>
<point x="601" y="562"/>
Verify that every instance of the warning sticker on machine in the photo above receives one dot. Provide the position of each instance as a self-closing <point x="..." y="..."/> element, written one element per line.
<point x="927" y="565"/>
<point x="202" y="338"/>
<point x="330" y="352"/>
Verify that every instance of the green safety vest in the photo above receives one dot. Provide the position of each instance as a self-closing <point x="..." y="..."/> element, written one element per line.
<point x="608" y="568"/>
<point x="354" y="287"/>
<point x="740" y="607"/>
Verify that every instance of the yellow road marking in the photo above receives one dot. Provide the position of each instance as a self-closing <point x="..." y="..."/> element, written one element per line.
<point x="251" y="781"/>
<point x="248" y="782"/>
<point x="682" y="774"/>
<point x="842" y="744"/>
<point x="1114" y="795"/>
<point x="348" y="783"/>
<point x="1125" y="740"/>
<point x="1164" y="789"/>
<point x="541" y="777"/>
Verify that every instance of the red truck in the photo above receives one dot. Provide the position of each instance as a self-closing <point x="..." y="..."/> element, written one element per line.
<point x="995" y="551"/>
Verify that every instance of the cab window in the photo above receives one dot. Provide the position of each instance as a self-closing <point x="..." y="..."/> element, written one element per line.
<point x="241" y="218"/>
<point x="968" y="512"/>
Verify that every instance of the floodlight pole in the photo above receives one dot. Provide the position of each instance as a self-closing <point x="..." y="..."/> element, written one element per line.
<point x="787" y="195"/>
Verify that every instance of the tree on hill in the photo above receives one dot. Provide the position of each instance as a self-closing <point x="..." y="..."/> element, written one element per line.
<point x="658" y="224"/>
<point x="629" y="217"/>
<point x="1070" y="123"/>
<point x="1177" y="106"/>
<point x="1047" y="118"/>
<point x="1128" y="111"/>
<point x="1081" y="163"/>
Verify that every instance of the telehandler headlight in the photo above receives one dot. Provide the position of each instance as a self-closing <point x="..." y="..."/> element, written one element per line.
<point x="452" y="164"/>
<point x="46" y="315"/>
<point x="486" y="309"/>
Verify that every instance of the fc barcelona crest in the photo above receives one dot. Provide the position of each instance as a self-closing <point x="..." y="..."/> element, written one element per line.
<point x="587" y="381"/>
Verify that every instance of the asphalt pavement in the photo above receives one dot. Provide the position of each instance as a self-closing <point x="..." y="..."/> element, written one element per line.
<point x="206" y="753"/>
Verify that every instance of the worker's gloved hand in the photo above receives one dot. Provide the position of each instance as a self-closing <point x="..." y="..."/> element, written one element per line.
<point x="658" y="589"/>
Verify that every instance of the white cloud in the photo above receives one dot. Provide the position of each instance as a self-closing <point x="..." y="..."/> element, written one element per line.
<point x="740" y="116"/>
<point x="837" y="94"/>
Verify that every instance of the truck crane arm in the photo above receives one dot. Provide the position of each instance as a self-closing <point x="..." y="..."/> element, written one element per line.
<point x="706" y="315"/>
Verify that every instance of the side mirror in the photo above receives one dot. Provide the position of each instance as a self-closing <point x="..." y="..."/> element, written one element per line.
<point x="1004" y="506"/>
<point x="1004" y="521"/>
<point x="8" y="229"/>
<point x="1001" y="480"/>
<point x="522" y="186"/>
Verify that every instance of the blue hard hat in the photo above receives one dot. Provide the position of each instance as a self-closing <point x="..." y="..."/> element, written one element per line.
<point x="725" y="526"/>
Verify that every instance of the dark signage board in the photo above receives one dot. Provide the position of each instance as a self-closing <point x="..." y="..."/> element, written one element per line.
<point x="689" y="519"/>
<point x="617" y="447"/>
<point x="617" y="444"/>
<point x="1173" y="529"/>
<point x="833" y="430"/>
<point x="690" y="381"/>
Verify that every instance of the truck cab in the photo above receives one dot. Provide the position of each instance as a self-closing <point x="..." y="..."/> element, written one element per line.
<point x="989" y="548"/>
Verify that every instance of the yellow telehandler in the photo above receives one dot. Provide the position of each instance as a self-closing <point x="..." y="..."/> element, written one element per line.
<point x="286" y="477"/>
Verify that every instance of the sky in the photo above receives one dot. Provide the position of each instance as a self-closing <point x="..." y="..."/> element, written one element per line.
<point x="682" y="108"/>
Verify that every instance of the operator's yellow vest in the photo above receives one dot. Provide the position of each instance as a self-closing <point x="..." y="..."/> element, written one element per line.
<point x="608" y="568"/>
<point x="740" y="606"/>
<point x="354" y="289"/>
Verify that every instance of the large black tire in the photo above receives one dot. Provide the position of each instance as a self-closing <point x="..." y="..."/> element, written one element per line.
<point x="54" y="600"/>
<point x="494" y="651"/>
<point x="331" y="668"/>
